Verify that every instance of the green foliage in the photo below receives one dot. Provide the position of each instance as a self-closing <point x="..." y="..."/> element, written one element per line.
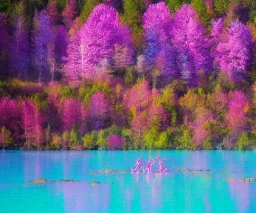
<point x="6" y="138"/>
<point x="40" y="100"/>
<point x="164" y="140"/>
<point x="221" y="6"/>
<point x="74" y="138"/>
<point x="129" y="77"/>
<point x="207" y="144"/>
<point x="244" y="142"/>
<point x="174" y="5"/>
<point x="184" y="139"/>
<point x="102" y="139"/>
<point x="88" y="7"/>
<point x="90" y="140"/>
<point x="151" y="137"/>
<point x="200" y="7"/>
<point x="61" y="4"/>
<point x="131" y="14"/>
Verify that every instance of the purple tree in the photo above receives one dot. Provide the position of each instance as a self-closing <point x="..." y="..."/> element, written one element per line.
<point x="41" y="37"/>
<point x="99" y="36"/>
<point x="188" y="36"/>
<point x="117" y="4"/>
<point x="234" y="53"/>
<point x="115" y="142"/>
<point x="70" y="12"/>
<point x="3" y="43"/>
<point x="159" y="52"/>
<point x="19" y="60"/>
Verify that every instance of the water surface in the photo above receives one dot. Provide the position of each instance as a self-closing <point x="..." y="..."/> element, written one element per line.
<point x="174" y="192"/>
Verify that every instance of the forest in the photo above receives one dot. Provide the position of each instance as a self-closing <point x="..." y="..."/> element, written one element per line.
<point x="127" y="74"/>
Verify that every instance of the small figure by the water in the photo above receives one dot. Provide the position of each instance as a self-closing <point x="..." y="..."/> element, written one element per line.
<point x="137" y="165"/>
<point x="161" y="167"/>
<point x="148" y="166"/>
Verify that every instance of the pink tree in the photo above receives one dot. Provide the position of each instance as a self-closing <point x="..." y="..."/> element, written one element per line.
<point x="53" y="12"/>
<point x="32" y="124"/>
<point x="237" y="113"/>
<point x="41" y="37"/>
<point x="234" y="53"/>
<point x="115" y="142"/>
<point x="19" y="60"/>
<point x="72" y="114"/>
<point x="99" y="110"/>
<point x="70" y="12"/>
<point x="189" y="37"/>
<point x="198" y="126"/>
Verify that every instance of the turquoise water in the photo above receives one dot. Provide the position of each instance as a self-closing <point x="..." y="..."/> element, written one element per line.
<point x="174" y="192"/>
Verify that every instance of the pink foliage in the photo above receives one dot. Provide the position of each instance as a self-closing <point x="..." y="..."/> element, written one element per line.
<point x="237" y="114"/>
<point x="73" y="114"/>
<point x="32" y="124"/>
<point x="198" y="126"/>
<point x="115" y="142"/>
<point x="70" y="12"/>
<point x="99" y="110"/>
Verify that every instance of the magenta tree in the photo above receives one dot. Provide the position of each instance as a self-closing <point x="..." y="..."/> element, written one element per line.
<point x="189" y="38"/>
<point x="99" y="36"/>
<point x="3" y="44"/>
<point x="234" y="52"/>
<point x="115" y="142"/>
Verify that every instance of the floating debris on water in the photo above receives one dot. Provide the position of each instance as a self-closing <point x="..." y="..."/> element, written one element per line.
<point x="241" y="179"/>
<point x="109" y="171"/>
<point x="94" y="182"/>
<point x="185" y="170"/>
<point x="43" y="180"/>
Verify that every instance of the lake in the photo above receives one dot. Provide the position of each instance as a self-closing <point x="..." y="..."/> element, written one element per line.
<point x="185" y="189"/>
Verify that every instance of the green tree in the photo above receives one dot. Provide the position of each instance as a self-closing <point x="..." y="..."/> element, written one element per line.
<point x="243" y="142"/>
<point x="200" y="7"/>
<point x="90" y="140"/>
<point x="175" y="4"/>
<point x="221" y="6"/>
<point x="88" y="7"/>
<point x="184" y="140"/>
<point x="102" y="139"/>
<point x="74" y="138"/>
<point x="150" y="137"/>
<point x="164" y="140"/>
<point x="6" y="138"/>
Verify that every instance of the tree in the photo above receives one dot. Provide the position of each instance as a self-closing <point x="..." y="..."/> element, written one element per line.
<point x="237" y="114"/>
<point x="159" y="52"/>
<point x="188" y="37"/>
<point x="88" y="7"/>
<point x="52" y="9"/>
<point x="98" y="41"/>
<point x="117" y="4"/>
<point x="234" y="54"/>
<point x="70" y="12"/>
<point x="115" y="142"/>
<point x="201" y="9"/>
<point x="72" y="114"/>
<point x="174" y="5"/>
<point x="19" y="60"/>
<point x="3" y="44"/>
<point x="5" y="137"/>
<point x="99" y="111"/>
<point x="41" y="37"/>
<point x="221" y="6"/>
<point x="33" y="125"/>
